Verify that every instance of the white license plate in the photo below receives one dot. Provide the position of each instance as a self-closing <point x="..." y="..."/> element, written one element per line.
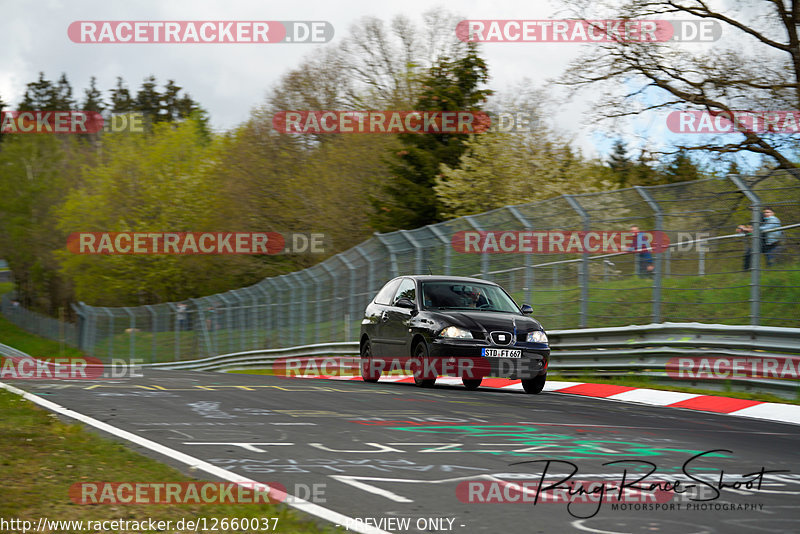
<point x="502" y="353"/>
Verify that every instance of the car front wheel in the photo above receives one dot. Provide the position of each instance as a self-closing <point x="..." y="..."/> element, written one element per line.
<point x="420" y="357"/>
<point x="534" y="385"/>
<point x="472" y="383"/>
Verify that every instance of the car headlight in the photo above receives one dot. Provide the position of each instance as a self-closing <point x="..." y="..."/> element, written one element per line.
<point x="537" y="336"/>
<point x="456" y="332"/>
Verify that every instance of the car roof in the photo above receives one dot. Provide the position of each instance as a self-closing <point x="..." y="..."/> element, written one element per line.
<point x="444" y="278"/>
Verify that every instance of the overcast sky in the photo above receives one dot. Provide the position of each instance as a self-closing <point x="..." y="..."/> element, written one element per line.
<point x="230" y="79"/>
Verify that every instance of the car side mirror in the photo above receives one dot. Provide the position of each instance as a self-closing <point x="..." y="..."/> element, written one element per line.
<point x="405" y="303"/>
<point x="526" y="309"/>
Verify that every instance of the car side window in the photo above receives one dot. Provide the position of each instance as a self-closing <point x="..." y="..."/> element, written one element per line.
<point x="407" y="290"/>
<point x="385" y="295"/>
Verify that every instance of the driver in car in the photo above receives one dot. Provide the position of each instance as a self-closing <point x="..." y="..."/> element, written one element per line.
<point x="476" y="298"/>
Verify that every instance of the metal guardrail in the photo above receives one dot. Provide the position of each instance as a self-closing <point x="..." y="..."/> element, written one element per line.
<point x="11" y="352"/>
<point x="640" y="349"/>
<point x="260" y="359"/>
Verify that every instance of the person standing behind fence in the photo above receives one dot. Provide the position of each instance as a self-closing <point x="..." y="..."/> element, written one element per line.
<point x="644" y="252"/>
<point x="769" y="240"/>
<point x="181" y="315"/>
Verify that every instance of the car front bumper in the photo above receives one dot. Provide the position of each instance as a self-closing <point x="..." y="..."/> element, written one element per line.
<point x="465" y="359"/>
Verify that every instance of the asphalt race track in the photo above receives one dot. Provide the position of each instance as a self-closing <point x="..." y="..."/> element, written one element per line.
<point x="430" y="456"/>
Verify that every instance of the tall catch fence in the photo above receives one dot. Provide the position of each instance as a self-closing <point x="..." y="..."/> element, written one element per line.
<point x="700" y="277"/>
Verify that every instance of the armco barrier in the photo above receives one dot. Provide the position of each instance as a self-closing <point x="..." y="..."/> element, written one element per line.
<point x="639" y="349"/>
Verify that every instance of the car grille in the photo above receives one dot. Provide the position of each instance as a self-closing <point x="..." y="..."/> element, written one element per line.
<point x="501" y="338"/>
<point x="477" y="335"/>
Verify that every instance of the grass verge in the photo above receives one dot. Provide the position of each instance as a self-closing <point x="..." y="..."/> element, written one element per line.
<point x="41" y="457"/>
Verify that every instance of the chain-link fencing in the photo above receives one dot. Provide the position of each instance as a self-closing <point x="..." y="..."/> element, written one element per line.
<point x="710" y="273"/>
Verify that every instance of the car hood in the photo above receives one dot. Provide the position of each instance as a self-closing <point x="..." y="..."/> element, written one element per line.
<point x="489" y="321"/>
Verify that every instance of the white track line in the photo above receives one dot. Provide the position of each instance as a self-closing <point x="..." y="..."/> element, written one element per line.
<point x="191" y="461"/>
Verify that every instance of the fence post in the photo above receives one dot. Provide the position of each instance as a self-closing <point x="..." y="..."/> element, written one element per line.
<point x="659" y="228"/>
<point x="318" y="321"/>
<point x="240" y="319"/>
<point x="370" y="278"/>
<point x="584" y="278"/>
<point x="110" y="333"/>
<point x="132" y="338"/>
<point x="334" y="288"/>
<point x="302" y="302"/>
<point x="351" y="271"/>
<point x="290" y="311"/>
<point x="528" y="257"/>
<point x="392" y="255"/>
<point x="755" y="249"/>
<point x="484" y="255"/>
<point x="177" y="327"/>
<point x="447" y="247"/>
<point x="254" y="316"/>
<point x="266" y="307"/>
<point x="417" y="251"/>
<point x="154" y="330"/>
<point x="228" y="322"/>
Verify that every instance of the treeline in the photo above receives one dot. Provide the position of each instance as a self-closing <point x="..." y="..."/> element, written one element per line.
<point x="177" y="176"/>
<point x="165" y="105"/>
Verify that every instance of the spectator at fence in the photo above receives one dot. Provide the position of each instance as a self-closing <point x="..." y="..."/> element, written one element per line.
<point x="181" y="315"/>
<point x="644" y="252"/>
<point x="770" y="241"/>
<point x="211" y="318"/>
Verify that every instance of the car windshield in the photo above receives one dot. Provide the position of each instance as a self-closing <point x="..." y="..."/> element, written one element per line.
<point x="445" y="295"/>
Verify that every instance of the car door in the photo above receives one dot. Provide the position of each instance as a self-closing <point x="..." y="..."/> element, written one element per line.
<point x="395" y="326"/>
<point x="376" y="317"/>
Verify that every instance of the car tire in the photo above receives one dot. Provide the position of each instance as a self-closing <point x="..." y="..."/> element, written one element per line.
<point x="534" y="385"/>
<point x="368" y="372"/>
<point x="472" y="383"/>
<point x="420" y="356"/>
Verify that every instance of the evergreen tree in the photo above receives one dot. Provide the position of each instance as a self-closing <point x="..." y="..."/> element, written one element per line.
<point x="619" y="163"/>
<point x="121" y="101"/>
<point x="171" y="102"/>
<point x="148" y="100"/>
<point x="61" y="96"/>
<point x="410" y="200"/>
<point x="681" y="169"/>
<point x="643" y="171"/>
<point x="38" y="95"/>
<point x="93" y="100"/>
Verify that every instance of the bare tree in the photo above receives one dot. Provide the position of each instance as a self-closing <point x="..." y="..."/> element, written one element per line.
<point x="755" y="66"/>
<point x="384" y="62"/>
